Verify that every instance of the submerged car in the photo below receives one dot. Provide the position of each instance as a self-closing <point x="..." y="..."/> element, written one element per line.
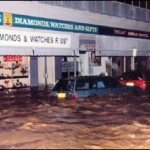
<point x="86" y="86"/>
<point x="140" y="78"/>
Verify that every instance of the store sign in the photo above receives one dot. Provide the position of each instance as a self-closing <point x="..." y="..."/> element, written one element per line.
<point x="87" y="45"/>
<point x="52" y="24"/>
<point x="24" y="21"/>
<point x="69" y="66"/>
<point x="1" y="18"/>
<point x="12" y="58"/>
<point x="34" y="39"/>
<point x="131" y="33"/>
<point x="110" y="31"/>
<point x="8" y="19"/>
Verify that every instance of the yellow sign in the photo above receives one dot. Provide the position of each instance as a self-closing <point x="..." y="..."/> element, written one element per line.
<point x="7" y="19"/>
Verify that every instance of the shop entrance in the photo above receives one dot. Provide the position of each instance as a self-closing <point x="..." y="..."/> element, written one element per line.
<point x="14" y="71"/>
<point x="117" y="65"/>
<point x="141" y="62"/>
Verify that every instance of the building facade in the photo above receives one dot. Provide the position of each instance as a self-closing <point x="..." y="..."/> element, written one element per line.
<point x="42" y="41"/>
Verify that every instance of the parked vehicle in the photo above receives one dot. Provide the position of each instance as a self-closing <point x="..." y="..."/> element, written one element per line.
<point x="85" y="86"/>
<point x="140" y="78"/>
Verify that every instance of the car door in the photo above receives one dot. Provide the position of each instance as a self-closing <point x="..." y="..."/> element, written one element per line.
<point x="113" y="86"/>
<point x="101" y="88"/>
<point x="93" y="86"/>
<point x="82" y="88"/>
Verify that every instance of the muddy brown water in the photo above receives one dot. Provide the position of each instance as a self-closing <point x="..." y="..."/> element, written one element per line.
<point x="33" y="120"/>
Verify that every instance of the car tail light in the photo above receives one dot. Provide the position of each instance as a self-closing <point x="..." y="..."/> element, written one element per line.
<point x="74" y="95"/>
<point x="143" y="84"/>
<point x="130" y="84"/>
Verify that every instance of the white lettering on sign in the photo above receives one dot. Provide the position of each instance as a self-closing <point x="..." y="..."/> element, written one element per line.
<point x="61" y="25"/>
<point x="34" y="39"/>
<point x="32" y="22"/>
<point x="79" y="27"/>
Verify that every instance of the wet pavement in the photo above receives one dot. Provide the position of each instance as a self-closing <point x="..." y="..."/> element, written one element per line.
<point x="30" y="119"/>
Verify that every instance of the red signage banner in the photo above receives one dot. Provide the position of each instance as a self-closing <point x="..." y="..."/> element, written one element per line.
<point x="12" y="58"/>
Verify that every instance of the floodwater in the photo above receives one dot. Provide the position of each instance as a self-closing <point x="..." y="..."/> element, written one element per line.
<point x="31" y="120"/>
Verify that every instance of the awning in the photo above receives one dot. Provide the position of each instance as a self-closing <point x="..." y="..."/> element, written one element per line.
<point x="121" y="53"/>
<point x="110" y="53"/>
<point x="121" y="46"/>
<point x="54" y="52"/>
<point x="22" y="51"/>
<point x="15" y="51"/>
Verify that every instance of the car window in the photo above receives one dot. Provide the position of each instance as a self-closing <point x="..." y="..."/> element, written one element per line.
<point x="63" y="85"/>
<point x="82" y="84"/>
<point x="124" y="76"/>
<point x="131" y="76"/>
<point x="135" y="76"/>
<point x="111" y="83"/>
<point x="100" y="84"/>
<point x="139" y="75"/>
<point x="93" y="83"/>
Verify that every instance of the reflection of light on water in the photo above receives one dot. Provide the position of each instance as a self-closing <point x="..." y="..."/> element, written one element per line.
<point x="125" y="111"/>
<point x="131" y="135"/>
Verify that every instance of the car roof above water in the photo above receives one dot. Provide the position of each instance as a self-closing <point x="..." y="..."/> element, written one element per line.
<point x="87" y="77"/>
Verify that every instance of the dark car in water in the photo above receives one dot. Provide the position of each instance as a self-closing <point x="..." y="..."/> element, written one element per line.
<point x="140" y="78"/>
<point x="86" y="86"/>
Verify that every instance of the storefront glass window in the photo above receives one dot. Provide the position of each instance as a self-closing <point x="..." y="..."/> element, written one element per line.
<point x="14" y="71"/>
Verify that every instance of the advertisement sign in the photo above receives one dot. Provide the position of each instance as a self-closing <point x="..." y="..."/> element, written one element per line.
<point x="69" y="66"/>
<point x="52" y="24"/>
<point x="12" y="58"/>
<point x="87" y="45"/>
<point x="24" y="21"/>
<point x="8" y="19"/>
<point x="14" y="71"/>
<point x="34" y="39"/>
<point x="110" y="31"/>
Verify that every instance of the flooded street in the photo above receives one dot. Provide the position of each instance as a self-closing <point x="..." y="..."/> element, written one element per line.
<point x="33" y="120"/>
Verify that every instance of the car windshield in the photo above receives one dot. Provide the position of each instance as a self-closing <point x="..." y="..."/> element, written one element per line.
<point x="63" y="85"/>
<point x="132" y="76"/>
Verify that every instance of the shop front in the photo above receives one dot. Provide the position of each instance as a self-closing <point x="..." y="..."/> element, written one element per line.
<point x="89" y="64"/>
<point x="38" y="66"/>
<point x="46" y="43"/>
<point x="126" y="49"/>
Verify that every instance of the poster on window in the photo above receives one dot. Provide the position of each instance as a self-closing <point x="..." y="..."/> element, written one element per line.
<point x="14" y="71"/>
<point x="94" y="60"/>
